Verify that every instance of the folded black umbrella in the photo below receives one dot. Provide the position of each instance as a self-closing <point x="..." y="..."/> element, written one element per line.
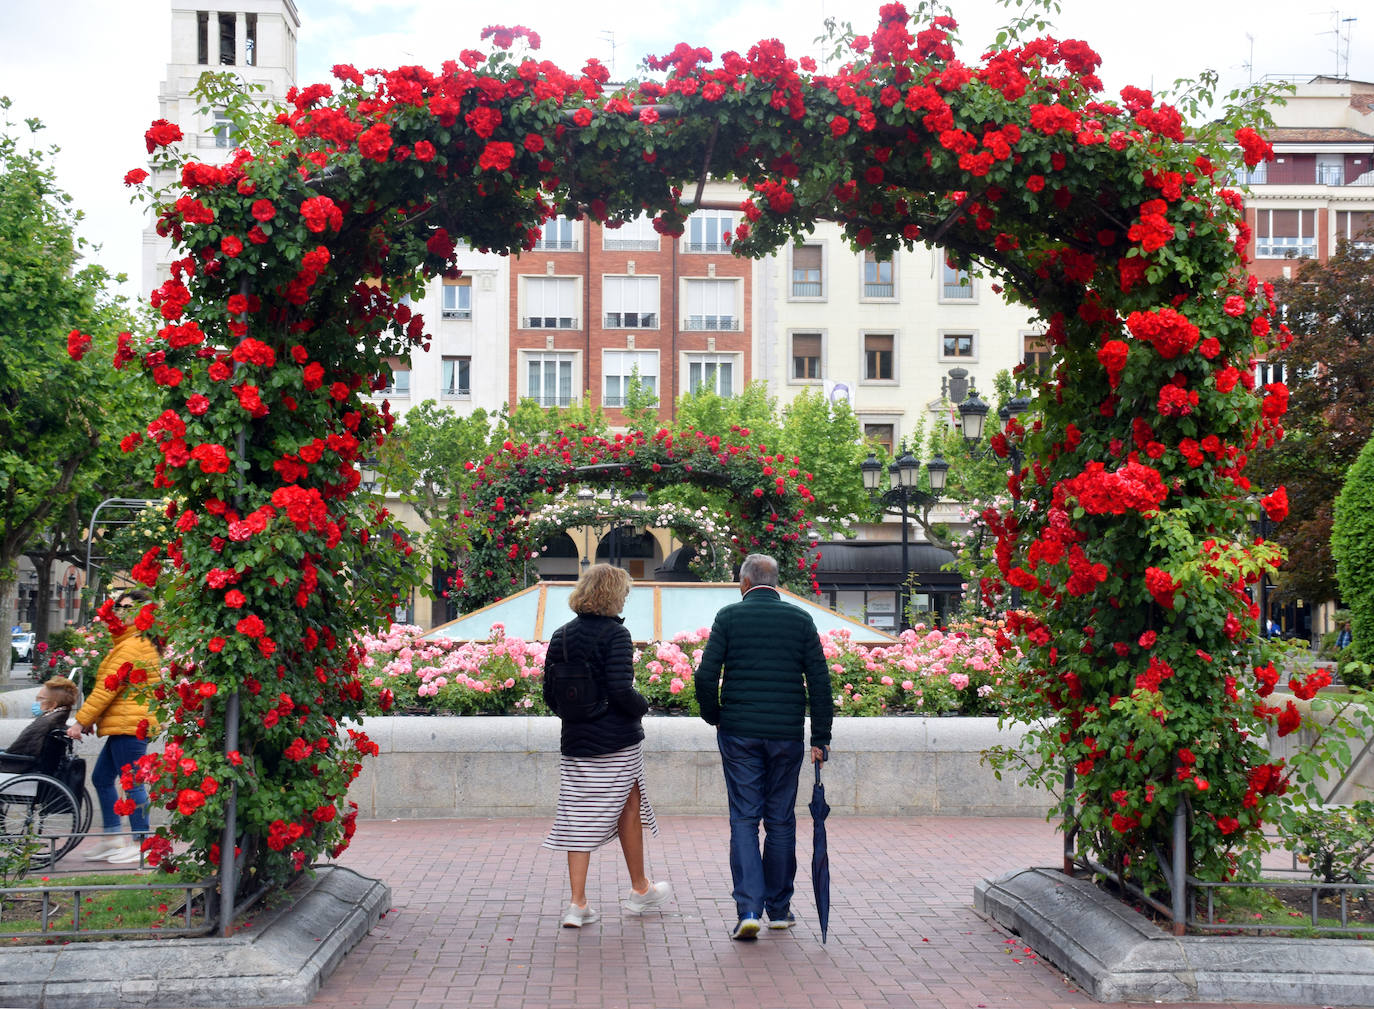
<point x="820" y="855"/>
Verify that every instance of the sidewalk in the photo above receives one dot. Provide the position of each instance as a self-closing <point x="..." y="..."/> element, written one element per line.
<point x="476" y="908"/>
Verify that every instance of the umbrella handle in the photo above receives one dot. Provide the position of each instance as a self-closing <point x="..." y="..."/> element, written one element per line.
<point x="825" y="755"/>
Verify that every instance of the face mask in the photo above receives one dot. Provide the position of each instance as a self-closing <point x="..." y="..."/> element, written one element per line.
<point x="36" y="709"/>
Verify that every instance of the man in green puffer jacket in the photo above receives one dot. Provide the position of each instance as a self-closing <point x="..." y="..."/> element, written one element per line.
<point x="762" y="665"/>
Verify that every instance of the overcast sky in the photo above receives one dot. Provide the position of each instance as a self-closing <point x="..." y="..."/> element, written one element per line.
<point x="91" y="69"/>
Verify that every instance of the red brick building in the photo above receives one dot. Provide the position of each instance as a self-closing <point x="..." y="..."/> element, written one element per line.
<point x="591" y="306"/>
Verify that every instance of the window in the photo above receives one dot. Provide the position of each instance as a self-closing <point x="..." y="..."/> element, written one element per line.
<point x="956" y="346"/>
<point x="457" y="377"/>
<point x="632" y="236"/>
<point x="400" y="379"/>
<point x="878" y="351"/>
<point x="706" y="231"/>
<point x="807" y="279"/>
<point x="250" y="42"/>
<point x="806" y="356"/>
<point x="956" y="284"/>
<point x="711" y="305"/>
<point x="550" y="378"/>
<point x="1357" y="228"/>
<point x="458" y="298"/>
<point x="1035" y="353"/>
<point x="880" y="436"/>
<point x="203" y="37"/>
<point x="226" y="134"/>
<point x="713" y="372"/>
<point x="878" y="277"/>
<point x="1269" y="371"/>
<point x="557" y="236"/>
<point x="620" y="367"/>
<point x="550" y="302"/>
<point x="227" y="41"/>
<point x="1285" y="234"/>
<point x="1330" y="170"/>
<point x="630" y="302"/>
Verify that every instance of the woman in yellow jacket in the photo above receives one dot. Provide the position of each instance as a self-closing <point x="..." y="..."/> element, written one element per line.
<point x="118" y="709"/>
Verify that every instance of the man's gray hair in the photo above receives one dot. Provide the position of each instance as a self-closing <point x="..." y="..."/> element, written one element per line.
<point x="759" y="569"/>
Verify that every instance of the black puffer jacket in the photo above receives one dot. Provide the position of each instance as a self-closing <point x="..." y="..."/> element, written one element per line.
<point x="605" y="645"/>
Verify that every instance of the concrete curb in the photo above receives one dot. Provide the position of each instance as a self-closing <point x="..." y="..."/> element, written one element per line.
<point x="1117" y="955"/>
<point x="282" y="963"/>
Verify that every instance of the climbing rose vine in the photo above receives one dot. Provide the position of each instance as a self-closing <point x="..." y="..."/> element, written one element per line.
<point x="1127" y="536"/>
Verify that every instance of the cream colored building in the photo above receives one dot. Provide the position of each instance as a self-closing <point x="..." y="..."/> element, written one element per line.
<point x="883" y="334"/>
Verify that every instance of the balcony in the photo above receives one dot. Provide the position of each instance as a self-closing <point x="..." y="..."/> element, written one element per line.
<point x="721" y="246"/>
<point x="556" y="245"/>
<point x="456" y="313"/>
<point x="712" y="323"/>
<point x="880" y="290"/>
<point x="1330" y="175"/>
<point x="631" y="320"/>
<point x="548" y="322"/>
<point x="630" y="244"/>
<point x="806" y="289"/>
<point x="957" y="292"/>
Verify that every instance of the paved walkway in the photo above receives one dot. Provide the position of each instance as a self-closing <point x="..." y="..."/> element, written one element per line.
<point x="476" y="908"/>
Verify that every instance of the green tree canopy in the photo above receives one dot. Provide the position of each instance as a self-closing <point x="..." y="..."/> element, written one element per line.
<point x="1330" y="374"/>
<point x="56" y="409"/>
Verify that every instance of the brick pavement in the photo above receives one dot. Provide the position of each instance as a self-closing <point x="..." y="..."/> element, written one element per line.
<point x="476" y="908"/>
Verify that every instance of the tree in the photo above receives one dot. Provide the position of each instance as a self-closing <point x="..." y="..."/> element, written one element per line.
<point x="56" y="411"/>
<point x="1352" y="534"/>
<point x="1330" y="373"/>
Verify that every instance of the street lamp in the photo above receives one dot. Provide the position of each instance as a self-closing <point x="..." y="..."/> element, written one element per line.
<point x="901" y="493"/>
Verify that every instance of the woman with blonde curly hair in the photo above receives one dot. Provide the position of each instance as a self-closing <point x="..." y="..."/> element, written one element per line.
<point x="601" y="789"/>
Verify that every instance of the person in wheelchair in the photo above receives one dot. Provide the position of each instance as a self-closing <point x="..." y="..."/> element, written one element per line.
<point x="51" y="709"/>
<point x="117" y="708"/>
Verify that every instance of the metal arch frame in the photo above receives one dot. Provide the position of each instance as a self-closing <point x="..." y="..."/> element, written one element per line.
<point x="125" y="503"/>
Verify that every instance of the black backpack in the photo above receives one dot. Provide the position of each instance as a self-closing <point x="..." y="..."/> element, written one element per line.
<point x="576" y="690"/>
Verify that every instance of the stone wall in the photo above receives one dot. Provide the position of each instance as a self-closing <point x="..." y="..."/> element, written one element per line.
<point x="441" y="767"/>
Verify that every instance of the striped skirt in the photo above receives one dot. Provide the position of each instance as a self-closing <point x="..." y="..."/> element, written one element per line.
<point x="592" y="792"/>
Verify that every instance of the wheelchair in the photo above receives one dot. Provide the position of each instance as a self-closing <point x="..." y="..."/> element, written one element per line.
<point x="44" y="799"/>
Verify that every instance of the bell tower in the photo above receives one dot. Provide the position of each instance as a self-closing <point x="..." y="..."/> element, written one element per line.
<point x="253" y="39"/>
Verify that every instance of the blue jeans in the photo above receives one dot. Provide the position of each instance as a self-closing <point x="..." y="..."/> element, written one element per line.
<point x="761" y="783"/>
<point x="117" y="753"/>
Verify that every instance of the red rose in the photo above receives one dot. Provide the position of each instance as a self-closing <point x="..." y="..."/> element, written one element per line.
<point x="77" y="344"/>
<point x="839" y="126"/>
<point x="231" y="246"/>
<point x="1289" y="719"/>
<point x="1112" y="356"/>
<point x="1160" y="584"/>
<point x="497" y="155"/>
<point x="375" y="142"/>
<point x="160" y="134"/>
<point x="134" y="176"/>
<point x="215" y="644"/>
<point x="263" y="210"/>
<point x="321" y="212"/>
<point x="424" y="150"/>
<point x="534" y="143"/>
<point x="1276" y="504"/>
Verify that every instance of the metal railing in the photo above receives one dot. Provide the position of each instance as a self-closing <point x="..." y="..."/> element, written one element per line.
<point x="806" y="289"/>
<point x="879" y="290"/>
<point x="723" y="324"/>
<point x="1185" y="889"/>
<point x="630" y="244"/>
<point x="195" y="912"/>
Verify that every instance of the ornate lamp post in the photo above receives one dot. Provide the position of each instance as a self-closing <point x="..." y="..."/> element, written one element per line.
<point x="901" y="493"/>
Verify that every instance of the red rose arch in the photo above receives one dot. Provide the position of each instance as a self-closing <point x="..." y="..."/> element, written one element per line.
<point x="1127" y="534"/>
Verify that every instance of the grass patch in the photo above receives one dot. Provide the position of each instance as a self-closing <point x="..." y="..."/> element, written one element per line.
<point x="103" y="906"/>
<point x="1263" y="909"/>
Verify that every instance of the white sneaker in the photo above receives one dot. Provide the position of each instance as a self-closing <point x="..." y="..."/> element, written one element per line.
<point x="656" y="896"/>
<point x="576" y="916"/>
<point x="125" y="854"/>
<point x="105" y="848"/>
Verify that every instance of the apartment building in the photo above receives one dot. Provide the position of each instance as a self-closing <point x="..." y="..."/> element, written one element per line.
<point x="593" y="306"/>
<point x="1320" y="186"/>
<point x="882" y="332"/>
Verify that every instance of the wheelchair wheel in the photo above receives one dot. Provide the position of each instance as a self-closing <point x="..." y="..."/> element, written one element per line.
<point x="34" y="807"/>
